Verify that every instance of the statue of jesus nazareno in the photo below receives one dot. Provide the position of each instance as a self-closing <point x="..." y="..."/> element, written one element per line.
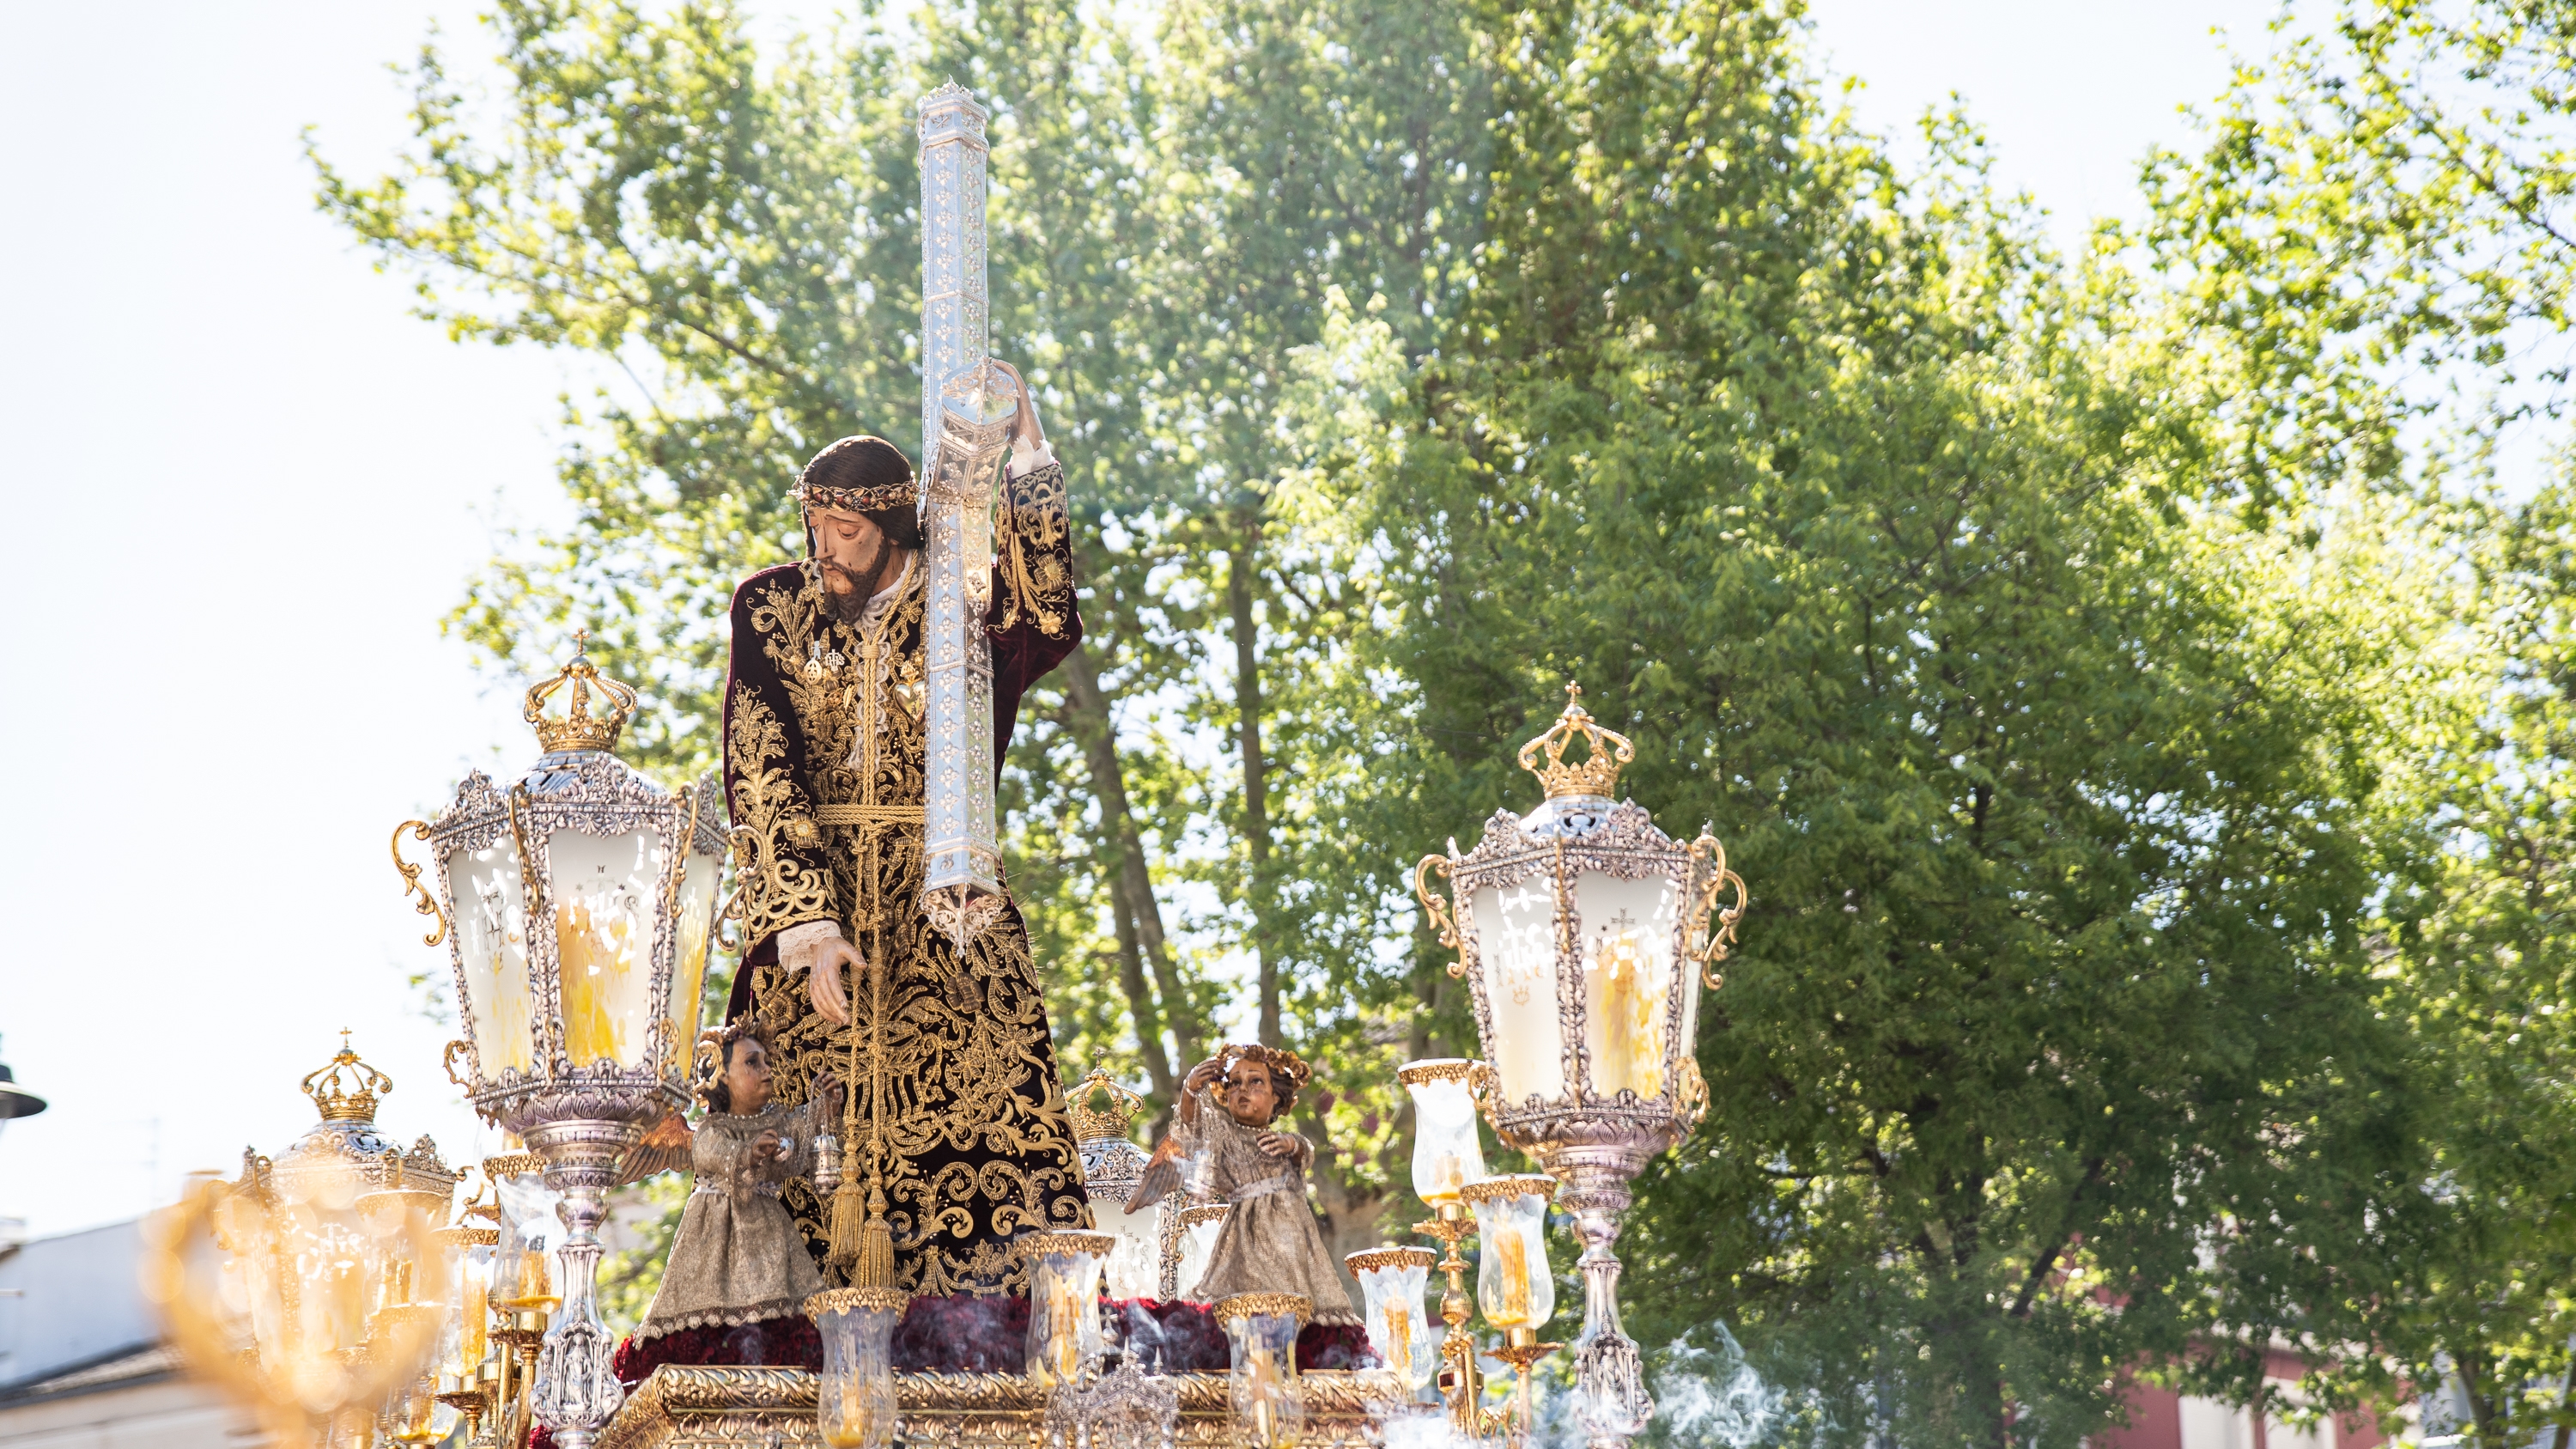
<point x="825" y="776"/>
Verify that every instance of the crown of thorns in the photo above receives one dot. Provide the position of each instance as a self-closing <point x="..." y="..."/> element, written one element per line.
<point x="1288" y="1075"/>
<point x="813" y="493"/>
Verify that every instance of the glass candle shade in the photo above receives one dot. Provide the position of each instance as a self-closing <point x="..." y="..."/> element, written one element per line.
<point x="525" y="1276"/>
<point x="1446" y="1150"/>
<point x="1514" y="1286"/>
<point x="1392" y="1280"/>
<point x="1514" y="931"/>
<point x="1262" y="1387"/>
<point x="854" y="1403"/>
<point x="1199" y="1227"/>
<point x="1627" y="942"/>
<point x="1064" y="1305"/>
<point x="467" y="1338"/>
<point x="416" y="1416"/>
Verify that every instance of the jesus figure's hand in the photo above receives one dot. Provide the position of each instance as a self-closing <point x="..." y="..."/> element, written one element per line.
<point x="824" y="983"/>
<point x="1026" y="432"/>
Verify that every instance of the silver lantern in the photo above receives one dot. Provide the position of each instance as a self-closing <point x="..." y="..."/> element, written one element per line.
<point x="1584" y="933"/>
<point x="578" y="905"/>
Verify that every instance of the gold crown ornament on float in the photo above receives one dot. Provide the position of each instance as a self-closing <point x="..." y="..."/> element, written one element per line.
<point x="1586" y="935"/>
<point x="578" y="906"/>
<point x="314" y="1288"/>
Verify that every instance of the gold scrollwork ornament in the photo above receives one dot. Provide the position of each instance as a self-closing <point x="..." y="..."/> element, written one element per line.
<point x="1436" y="908"/>
<point x="427" y="905"/>
<point x="1708" y="856"/>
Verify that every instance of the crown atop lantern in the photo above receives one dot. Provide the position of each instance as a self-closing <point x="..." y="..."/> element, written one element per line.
<point x="577" y="728"/>
<point x="345" y="1088"/>
<point x="1093" y="1124"/>
<point x="1595" y="775"/>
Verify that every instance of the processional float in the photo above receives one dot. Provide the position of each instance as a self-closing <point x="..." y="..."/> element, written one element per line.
<point x="579" y="906"/>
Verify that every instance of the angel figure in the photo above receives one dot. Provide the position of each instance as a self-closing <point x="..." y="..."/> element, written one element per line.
<point x="1269" y="1241"/>
<point x="737" y="1259"/>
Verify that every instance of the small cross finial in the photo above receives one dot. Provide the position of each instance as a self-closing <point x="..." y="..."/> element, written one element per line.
<point x="1573" y="691"/>
<point x="581" y="641"/>
<point x="344" y="1038"/>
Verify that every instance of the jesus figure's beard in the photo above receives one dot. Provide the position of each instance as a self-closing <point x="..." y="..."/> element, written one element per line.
<point x="863" y="586"/>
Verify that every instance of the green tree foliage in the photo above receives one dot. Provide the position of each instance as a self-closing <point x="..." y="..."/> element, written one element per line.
<point x="2375" y="240"/>
<point x="2057" y="787"/>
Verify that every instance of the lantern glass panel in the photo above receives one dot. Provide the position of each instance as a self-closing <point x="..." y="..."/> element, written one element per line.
<point x="689" y="969"/>
<point x="1514" y="1285"/>
<point x="492" y="940"/>
<point x="1516" y="950"/>
<point x="605" y="891"/>
<point x="1134" y="1268"/>
<point x="1446" y="1151"/>
<point x="1627" y="941"/>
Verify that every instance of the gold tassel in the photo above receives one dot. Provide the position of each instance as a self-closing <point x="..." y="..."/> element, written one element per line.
<point x="849" y="1215"/>
<point x="875" y="1267"/>
<point x="848" y="1203"/>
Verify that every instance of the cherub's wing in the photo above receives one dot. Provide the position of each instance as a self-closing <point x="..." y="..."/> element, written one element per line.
<point x="1161" y="1178"/>
<point x="663" y="1149"/>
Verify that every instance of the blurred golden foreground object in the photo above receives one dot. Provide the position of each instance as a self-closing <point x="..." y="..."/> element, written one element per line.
<point x="315" y="1289"/>
<point x="281" y="1303"/>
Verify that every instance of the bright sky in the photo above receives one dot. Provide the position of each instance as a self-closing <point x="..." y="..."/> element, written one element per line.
<point x="247" y="484"/>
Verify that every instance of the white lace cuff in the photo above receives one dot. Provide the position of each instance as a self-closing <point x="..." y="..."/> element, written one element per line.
<point x="796" y="944"/>
<point x="1025" y="461"/>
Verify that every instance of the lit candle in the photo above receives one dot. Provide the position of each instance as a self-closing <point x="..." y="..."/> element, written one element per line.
<point x="1516" y="1295"/>
<point x="1447" y="1176"/>
<point x="1399" y="1337"/>
<point x="1064" y="1334"/>
<point x="853" y="1419"/>
<point x="472" y="1344"/>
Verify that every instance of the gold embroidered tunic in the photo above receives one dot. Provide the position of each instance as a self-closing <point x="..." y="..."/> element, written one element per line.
<point x="1268" y="1241"/>
<point x="736" y="1258"/>
<point x="824" y="770"/>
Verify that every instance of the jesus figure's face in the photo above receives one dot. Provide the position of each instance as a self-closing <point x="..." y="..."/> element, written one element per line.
<point x="854" y="552"/>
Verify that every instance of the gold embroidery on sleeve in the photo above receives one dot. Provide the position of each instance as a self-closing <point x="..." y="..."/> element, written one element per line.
<point x="768" y="813"/>
<point x="1035" y="544"/>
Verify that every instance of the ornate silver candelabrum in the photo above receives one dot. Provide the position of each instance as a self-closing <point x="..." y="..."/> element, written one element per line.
<point x="578" y="906"/>
<point x="1585" y="935"/>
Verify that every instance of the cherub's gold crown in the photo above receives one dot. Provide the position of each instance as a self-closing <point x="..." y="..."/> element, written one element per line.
<point x="578" y="728"/>
<point x="346" y="1088"/>
<point x="1595" y="774"/>
<point x="1091" y="1124"/>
